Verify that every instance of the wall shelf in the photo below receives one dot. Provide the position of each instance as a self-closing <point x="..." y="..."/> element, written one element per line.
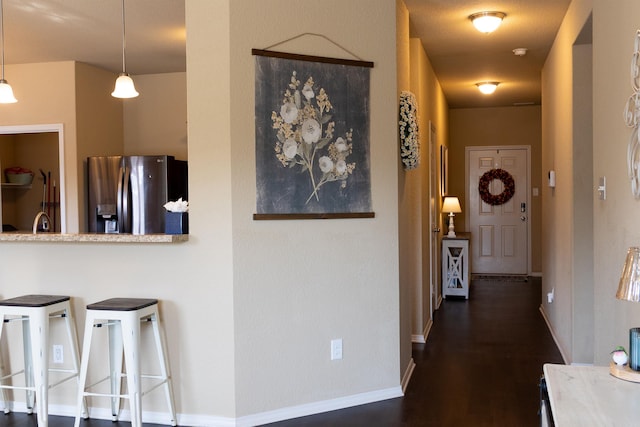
<point x="9" y="185"/>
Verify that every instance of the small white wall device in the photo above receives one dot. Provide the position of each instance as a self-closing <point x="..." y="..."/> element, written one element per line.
<point x="552" y="179"/>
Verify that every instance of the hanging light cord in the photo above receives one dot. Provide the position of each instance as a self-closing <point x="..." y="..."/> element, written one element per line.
<point x="124" y="43"/>
<point x="2" y="36"/>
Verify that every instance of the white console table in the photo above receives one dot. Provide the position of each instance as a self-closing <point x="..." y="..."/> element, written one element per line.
<point x="590" y="396"/>
<point x="456" y="274"/>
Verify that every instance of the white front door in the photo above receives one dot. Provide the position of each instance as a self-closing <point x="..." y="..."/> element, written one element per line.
<point x="499" y="233"/>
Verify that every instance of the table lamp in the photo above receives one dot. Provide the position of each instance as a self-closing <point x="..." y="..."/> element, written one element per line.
<point x="451" y="205"/>
<point x="629" y="290"/>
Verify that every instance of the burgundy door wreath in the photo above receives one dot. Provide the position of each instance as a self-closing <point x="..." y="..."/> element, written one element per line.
<point x="508" y="186"/>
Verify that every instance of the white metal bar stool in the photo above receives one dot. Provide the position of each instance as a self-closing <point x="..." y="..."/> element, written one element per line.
<point x="35" y="312"/>
<point x="123" y="317"/>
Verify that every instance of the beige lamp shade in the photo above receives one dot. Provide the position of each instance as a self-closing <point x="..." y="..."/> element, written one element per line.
<point x="629" y="286"/>
<point x="451" y="205"/>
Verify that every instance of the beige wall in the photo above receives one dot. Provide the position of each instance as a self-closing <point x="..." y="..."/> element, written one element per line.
<point x="299" y="284"/>
<point x="156" y="121"/>
<point x="616" y="225"/>
<point x="41" y="102"/>
<point x="408" y="217"/>
<point x="432" y="112"/>
<point x="521" y="126"/>
<point x="558" y="148"/>
<point x="583" y="200"/>
<point x="209" y="259"/>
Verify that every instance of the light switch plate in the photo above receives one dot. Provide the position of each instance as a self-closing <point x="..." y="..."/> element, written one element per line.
<point x="602" y="188"/>
<point x="336" y="349"/>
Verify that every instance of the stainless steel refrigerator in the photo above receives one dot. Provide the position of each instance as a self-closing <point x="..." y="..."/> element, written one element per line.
<point x="127" y="193"/>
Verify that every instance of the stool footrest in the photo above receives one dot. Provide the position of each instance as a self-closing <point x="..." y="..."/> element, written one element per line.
<point x="11" y="375"/>
<point x="51" y="385"/>
<point x="162" y="381"/>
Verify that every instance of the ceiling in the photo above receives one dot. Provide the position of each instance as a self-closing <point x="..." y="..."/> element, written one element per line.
<point x="462" y="56"/>
<point x="91" y="31"/>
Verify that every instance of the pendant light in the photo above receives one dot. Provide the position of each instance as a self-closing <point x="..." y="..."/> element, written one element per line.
<point x="6" y="93"/>
<point x="124" y="84"/>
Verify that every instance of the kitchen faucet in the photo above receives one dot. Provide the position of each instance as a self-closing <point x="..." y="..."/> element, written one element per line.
<point x="45" y="222"/>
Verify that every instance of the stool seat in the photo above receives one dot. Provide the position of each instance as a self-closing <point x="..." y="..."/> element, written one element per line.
<point x="122" y="304"/>
<point x="122" y="318"/>
<point x="34" y="313"/>
<point x="34" y="300"/>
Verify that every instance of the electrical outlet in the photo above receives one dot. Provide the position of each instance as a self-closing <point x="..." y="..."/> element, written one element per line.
<point x="336" y="349"/>
<point x="58" y="354"/>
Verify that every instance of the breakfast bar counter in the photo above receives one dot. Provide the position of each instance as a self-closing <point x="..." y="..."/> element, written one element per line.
<point x="92" y="238"/>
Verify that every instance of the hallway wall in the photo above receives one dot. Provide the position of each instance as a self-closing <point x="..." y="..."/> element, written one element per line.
<point x="415" y="74"/>
<point x="433" y="113"/>
<point x="616" y="225"/>
<point x="410" y="268"/>
<point x="558" y="143"/>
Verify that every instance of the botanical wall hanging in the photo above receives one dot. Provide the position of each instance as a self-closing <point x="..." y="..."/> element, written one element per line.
<point x="312" y="137"/>
<point x="632" y="120"/>
<point x="409" y="135"/>
<point x="508" y="187"/>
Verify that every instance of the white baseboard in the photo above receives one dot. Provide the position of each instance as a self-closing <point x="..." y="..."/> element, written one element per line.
<point x="162" y="418"/>
<point x="553" y="335"/>
<point x="196" y="420"/>
<point x="421" y="339"/>
<point x="407" y="375"/>
<point x="318" y="407"/>
<point x="427" y="329"/>
<point x="418" y="339"/>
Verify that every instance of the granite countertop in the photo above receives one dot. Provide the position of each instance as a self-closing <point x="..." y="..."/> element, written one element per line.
<point x="92" y="237"/>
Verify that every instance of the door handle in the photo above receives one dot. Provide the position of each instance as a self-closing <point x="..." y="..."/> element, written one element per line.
<point x="436" y="230"/>
<point x="523" y="218"/>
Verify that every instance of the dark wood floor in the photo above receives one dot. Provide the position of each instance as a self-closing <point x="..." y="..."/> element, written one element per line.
<point x="480" y="367"/>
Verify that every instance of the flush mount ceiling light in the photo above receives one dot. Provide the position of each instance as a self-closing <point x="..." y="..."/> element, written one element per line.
<point x="487" y="87"/>
<point x="124" y="84"/>
<point x="487" y="22"/>
<point x="6" y="93"/>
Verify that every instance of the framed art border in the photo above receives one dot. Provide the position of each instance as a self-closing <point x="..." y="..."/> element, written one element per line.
<point x="312" y="137"/>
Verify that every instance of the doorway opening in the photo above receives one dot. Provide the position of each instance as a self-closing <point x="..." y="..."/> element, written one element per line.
<point x="39" y="149"/>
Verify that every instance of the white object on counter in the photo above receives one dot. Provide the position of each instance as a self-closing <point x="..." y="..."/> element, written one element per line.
<point x="177" y="206"/>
